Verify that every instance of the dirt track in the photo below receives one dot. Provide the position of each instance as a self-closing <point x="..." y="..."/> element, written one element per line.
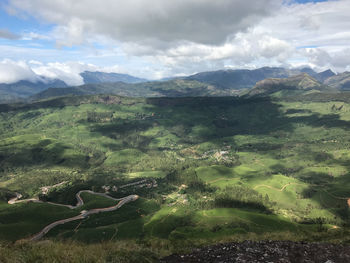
<point x="80" y="202"/>
<point x="84" y="213"/>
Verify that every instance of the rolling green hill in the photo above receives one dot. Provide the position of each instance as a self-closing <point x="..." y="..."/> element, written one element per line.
<point x="226" y="168"/>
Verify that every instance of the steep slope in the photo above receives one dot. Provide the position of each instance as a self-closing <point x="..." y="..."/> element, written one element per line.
<point x="322" y="76"/>
<point x="340" y="81"/>
<point x="90" y="77"/>
<point x="302" y="83"/>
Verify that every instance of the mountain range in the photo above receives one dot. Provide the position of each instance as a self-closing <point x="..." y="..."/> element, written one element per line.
<point x="262" y="81"/>
<point x="245" y="79"/>
<point x="23" y="89"/>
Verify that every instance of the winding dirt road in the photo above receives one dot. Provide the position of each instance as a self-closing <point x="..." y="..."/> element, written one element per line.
<point x="84" y="213"/>
<point x="80" y="202"/>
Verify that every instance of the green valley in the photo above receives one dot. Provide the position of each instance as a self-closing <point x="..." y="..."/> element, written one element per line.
<point x="215" y="169"/>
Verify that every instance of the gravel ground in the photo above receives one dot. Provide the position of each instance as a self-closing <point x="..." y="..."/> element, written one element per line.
<point x="266" y="251"/>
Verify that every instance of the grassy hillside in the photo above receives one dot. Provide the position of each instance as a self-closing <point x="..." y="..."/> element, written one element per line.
<point x="296" y="85"/>
<point x="226" y="168"/>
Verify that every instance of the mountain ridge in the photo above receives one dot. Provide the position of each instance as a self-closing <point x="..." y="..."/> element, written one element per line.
<point x="212" y="83"/>
<point x="22" y="89"/>
<point x="302" y="83"/>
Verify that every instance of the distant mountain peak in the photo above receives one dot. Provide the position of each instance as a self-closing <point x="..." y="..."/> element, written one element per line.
<point x="328" y="71"/>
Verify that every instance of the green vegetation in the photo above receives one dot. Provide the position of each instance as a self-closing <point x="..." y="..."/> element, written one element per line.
<point x="171" y="88"/>
<point x="116" y="251"/>
<point x="223" y="169"/>
<point x="23" y="220"/>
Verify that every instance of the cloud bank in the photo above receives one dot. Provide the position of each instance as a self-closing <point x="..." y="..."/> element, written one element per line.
<point x="34" y="71"/>
<point x="153" y="22"/>
<point x="160" y="38"/>
<point x="13" y="71"/>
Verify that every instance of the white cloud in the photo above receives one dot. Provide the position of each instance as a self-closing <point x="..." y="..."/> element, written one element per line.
<point x="159" y="38"/>
<point x="70" y="34"/>
<point x="68" y="73"/>
<point x="153" y="22"/>
<point x="13" y="71"/>
<point x="34" y="36"/>
<point x="242" y="50"/>
<point x="35" y="62"/>
<point x="315" y="34"/>
<point x="338" y="61"/>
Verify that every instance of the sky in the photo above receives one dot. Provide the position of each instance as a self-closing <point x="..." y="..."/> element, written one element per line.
<point x="155" y="39"/>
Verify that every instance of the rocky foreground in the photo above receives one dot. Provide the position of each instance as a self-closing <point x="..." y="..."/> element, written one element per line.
<point x="266" y="251"/>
